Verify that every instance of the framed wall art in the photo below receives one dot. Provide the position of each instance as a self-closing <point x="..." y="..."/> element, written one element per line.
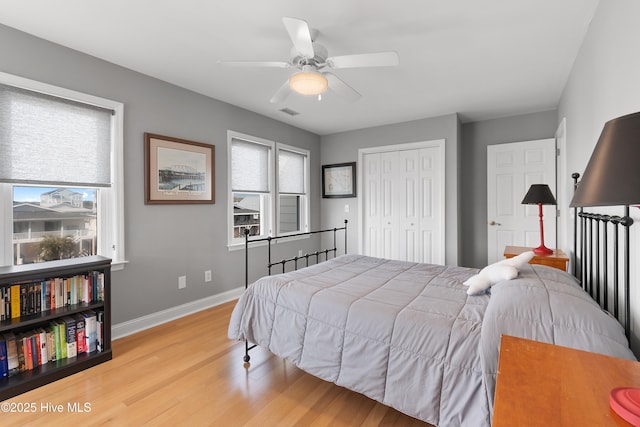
<point x="339" y="180"/>
<point x="178" y="171"/>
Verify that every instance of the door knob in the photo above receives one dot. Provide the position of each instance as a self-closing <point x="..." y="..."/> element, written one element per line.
<point x="494" y="223"/>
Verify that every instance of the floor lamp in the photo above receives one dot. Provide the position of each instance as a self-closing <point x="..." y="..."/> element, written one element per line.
<point x="540" y="194"/>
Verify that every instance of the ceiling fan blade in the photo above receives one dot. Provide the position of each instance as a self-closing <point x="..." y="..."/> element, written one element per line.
<point x="300" y="36"/>
<point x="380" y="59"/>
<point x="341" y="88"/>
<point x="281" y="94"/>
<point x="270" y="64"/>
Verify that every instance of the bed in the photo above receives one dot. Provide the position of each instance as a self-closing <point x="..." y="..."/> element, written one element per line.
<point x="409" y="336"/>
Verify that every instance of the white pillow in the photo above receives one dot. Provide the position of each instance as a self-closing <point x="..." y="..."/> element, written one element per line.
<point x="519" y="261"/>
<point x="489" y="276"/>
<point x="505" y="269"/>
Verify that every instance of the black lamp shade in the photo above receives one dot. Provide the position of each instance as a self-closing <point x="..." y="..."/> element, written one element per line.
<point x="539" y="194"/>
<point x="612" y="176"/>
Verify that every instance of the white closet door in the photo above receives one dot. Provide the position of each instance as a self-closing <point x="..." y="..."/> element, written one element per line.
<point x="402" y="205"/>
<point x="372" y="219"/>
<point x="419" y="192"/>
<point x="408" y="182"/>
<point x="389" y="200"/>
<point x="380" y="221"/>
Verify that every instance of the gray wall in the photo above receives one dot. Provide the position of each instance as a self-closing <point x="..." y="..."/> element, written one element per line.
<point x="162" y="241"/>
<point x="476" y="137"/>
<point x="603" y="85"/>
<point x="343" y="147"/>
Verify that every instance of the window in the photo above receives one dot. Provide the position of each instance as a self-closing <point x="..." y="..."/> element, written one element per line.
<point x="292" y="189"/>
<point x="268" y="188"/>
<point x="251" y="186"/>
<point x="60" y="174"/>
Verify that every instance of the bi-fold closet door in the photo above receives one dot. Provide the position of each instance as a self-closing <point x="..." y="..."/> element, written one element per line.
<point x="402" y="206"/>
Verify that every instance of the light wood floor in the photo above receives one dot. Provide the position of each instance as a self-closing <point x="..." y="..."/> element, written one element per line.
<point x="187" y="372"/>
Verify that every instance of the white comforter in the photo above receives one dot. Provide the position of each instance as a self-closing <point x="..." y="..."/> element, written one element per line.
<point x="404" y="334"/>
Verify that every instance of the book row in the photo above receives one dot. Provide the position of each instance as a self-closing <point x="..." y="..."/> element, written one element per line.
<point x="23" y="299"/>
<point x="63" y="338"/>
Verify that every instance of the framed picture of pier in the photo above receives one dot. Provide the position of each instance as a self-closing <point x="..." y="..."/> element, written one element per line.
<point x="178" y="171"/>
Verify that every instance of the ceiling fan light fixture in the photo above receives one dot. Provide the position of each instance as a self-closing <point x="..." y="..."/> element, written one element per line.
<point x="308" y="83"/>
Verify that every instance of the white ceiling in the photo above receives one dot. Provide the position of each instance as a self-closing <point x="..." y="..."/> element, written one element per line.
<point x="481" y="58"/>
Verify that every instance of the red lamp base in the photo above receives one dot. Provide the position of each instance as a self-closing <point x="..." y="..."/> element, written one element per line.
<point x="542" y="250"/>
<point x="625" y="401"/>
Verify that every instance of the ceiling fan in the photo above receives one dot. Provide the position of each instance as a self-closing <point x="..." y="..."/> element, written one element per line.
<point x="313" y="63"/>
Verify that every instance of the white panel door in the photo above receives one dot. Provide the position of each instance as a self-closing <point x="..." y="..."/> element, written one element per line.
<point x="372" y="220"/>
<point x="389" y="198"/>
<point x="511" y="169"/>
<point x="419" y="192"/>
<point x="432" y="205"/>
<point x="381" y="205"/>
<point x="402" y="206"/>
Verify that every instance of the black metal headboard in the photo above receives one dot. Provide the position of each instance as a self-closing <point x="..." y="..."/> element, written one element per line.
<point x="295" y="259"/>
<point x="597" y="261"/>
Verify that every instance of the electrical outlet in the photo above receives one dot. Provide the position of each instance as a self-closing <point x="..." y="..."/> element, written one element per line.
<point x="182" y="282"/>
<point x="207" y="276"/>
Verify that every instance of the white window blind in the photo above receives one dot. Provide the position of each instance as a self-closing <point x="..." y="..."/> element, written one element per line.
<point x="54" y="141"/>
<point x="291" y="172"/>
<point x="249" y="166"/>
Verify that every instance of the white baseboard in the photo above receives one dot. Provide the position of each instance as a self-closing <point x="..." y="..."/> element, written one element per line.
<point x="145" y="322"/>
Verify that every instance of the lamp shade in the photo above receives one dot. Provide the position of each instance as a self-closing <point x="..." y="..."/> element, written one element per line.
<point x="612" y="176"/>
<point x="539" y="194"/>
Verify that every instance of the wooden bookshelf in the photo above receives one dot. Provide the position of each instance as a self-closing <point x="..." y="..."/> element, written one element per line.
<point x="53" y="371"/>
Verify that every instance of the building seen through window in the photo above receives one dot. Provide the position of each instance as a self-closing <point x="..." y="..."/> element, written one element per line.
<point x="246" y="214"/>
<point x="53" y="223"/>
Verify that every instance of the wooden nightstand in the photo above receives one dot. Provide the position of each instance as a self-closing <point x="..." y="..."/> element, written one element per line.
<point x="557" y="259"/>
<point x="542" y="384"/>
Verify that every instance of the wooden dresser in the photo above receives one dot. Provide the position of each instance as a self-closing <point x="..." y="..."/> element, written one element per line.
<point x="547" y="385"/>
<point x="558" y="259"/>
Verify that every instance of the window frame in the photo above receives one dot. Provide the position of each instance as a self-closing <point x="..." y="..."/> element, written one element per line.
<point x="110" y="215"/>
<point x="272" y="198"/>
<point x="304" y="198"/>
<point x="266" y="199"/>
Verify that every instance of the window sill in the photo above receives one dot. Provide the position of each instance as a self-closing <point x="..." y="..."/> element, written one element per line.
<point x="280" y="240"/>
<point x="118" y="265"/>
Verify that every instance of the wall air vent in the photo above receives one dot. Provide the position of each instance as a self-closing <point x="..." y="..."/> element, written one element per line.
<point x="289" y="111"/>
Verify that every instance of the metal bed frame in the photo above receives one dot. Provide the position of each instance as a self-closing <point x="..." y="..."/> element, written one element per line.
<point x="592" y="263"/>
<point x="284" y="262"/>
